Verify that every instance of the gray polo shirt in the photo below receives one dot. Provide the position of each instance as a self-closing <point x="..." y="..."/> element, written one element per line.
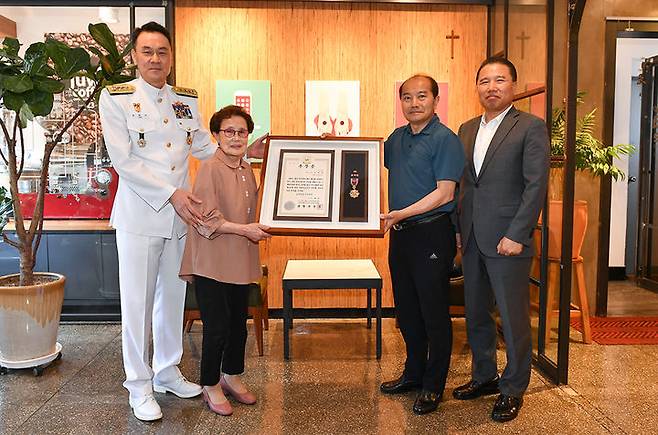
<point x="415" y="162"/>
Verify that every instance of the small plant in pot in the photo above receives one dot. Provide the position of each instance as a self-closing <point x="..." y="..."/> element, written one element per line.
<point x="31" y="302"/>
<point x="591" y="154"/>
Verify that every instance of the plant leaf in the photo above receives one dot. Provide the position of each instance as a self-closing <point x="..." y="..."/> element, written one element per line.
<point x="56" y="50"/>
<point x="13" y="101"/>
<point x="126" y="50"/>
<point x="46" y="84"/>
<point x="11" y="46"/>
<point x="76" y="59"/>
<point x="18" y="84"/>
<point x="36" y="60"/>
<point x="25" y="115"/>
<point x="40" y="103"/>
<point x="105" y="38"/>
<point x="107" y="65"/>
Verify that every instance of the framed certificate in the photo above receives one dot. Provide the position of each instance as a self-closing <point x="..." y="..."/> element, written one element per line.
<point x="322" y="187"/>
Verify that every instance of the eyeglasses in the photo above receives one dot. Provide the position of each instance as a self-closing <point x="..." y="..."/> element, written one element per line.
<point x="229" y="132"/>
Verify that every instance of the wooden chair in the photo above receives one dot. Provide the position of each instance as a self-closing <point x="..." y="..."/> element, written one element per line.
<point x="581" y="310"/>
<point x="258" y="309"/>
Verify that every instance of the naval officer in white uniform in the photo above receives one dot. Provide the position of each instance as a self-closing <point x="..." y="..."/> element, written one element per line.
<point x="150" y="129"/>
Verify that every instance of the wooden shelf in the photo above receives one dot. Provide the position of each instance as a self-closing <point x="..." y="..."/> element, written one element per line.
<point x="70" y="225"/>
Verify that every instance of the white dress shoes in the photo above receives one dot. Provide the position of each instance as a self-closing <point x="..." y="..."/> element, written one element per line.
<point x="146" y="408"/>
<point x="180" y="387"/>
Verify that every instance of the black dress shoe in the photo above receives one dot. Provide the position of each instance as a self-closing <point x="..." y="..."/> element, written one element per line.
<point x="506" y="408"/>
<point x="475" y="389"/>
<point x="399" y="385"/>
<point x="426" y="401"/>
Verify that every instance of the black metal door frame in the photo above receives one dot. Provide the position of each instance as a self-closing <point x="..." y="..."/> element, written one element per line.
<point x="647" y="178"/>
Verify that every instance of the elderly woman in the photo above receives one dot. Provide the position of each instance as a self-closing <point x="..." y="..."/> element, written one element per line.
<point x="221" y="257"/>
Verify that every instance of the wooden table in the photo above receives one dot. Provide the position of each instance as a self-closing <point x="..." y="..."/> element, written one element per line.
<point x="331" y="274"/>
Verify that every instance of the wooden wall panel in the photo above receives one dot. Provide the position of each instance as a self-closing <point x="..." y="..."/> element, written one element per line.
<point x="7" y="27"/>
<point x="527" y="44"/>
<point x="291" y="42"/>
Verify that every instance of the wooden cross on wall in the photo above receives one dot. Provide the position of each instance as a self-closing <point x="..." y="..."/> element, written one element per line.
<point x="452" y="38"/>
<point x="523" y="38"/>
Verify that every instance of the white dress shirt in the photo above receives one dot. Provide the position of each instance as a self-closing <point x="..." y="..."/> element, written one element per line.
<point x="483" y="139"/>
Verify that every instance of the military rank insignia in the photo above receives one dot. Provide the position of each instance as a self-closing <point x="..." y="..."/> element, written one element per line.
<point x="182" y="110"/>
<point x="120" y="89"/>
<point x="186" y="92"/>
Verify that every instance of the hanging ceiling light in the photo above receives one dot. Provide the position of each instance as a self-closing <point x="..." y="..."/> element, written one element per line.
<point x="108" y="15"/>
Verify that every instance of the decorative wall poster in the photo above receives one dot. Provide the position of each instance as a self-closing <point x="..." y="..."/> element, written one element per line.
<point x="332" y="107"/>
<point x="441" y="108"/>
<point x="252" y="95"/>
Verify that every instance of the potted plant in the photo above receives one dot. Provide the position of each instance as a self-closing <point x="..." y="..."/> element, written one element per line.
<point x="591" y="156"/>
<point x="31" y="302"/>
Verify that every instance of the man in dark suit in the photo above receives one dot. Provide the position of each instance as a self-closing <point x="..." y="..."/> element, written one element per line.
<point x="502" y="192"/>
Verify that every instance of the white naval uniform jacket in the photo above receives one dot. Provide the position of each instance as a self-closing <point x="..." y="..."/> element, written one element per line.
<point x="149" y="134"/>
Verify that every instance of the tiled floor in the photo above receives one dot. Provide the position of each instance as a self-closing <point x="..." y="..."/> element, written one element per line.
<point x="625" y="298"/>
<point x="330" y="386"/>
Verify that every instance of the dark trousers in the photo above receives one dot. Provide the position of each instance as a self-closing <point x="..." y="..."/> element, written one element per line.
<point x="223" y="309"/>
<point x="502" y="282"/>
<point x="420" y="258"/>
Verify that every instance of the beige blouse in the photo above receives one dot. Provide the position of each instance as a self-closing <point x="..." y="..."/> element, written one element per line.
<point x="229" y="192"/>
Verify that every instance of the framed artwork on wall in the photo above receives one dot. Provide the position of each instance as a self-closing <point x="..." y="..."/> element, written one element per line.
<point x="254" y="96"/>
<point x="332" y="107"/>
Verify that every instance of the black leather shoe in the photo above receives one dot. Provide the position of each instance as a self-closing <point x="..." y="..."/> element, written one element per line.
<point x="475" y="389"/>
<point x="426" y="401"/>
<point x="506" y="408"/>
<point x="399" y="385"/>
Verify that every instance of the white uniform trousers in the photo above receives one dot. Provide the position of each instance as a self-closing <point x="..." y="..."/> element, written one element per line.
<point x="152" y="298"/>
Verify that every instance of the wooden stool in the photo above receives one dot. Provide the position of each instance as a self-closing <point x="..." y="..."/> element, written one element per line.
<point x="553" y="284"/>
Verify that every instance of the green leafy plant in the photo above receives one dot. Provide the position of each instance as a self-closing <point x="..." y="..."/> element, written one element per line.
<point x="28" y="86"/>
<point x="591" y="153"/>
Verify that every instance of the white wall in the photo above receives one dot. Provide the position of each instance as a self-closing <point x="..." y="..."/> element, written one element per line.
<point x="630" y="53"/>
<point x="33" y="22"/>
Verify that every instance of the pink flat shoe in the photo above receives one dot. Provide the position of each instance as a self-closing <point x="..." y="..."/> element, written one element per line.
<point x="218" y="408"/>
<point x="247" y="398"/>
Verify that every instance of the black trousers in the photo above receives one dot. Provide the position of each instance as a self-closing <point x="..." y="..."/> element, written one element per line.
<point x="420" y="258"/>
<point x="223" y="309"/>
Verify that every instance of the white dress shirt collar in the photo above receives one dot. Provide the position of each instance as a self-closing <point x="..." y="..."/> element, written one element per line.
<point x="497" y="120"/>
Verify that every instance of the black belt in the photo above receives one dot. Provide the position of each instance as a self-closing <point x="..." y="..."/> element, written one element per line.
<point x="403" y="225"/>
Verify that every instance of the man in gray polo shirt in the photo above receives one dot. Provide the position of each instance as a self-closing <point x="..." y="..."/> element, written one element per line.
<point x="425" y="161"/>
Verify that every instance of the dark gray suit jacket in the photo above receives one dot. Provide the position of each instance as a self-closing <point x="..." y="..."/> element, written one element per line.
<point x="507" y="196"/>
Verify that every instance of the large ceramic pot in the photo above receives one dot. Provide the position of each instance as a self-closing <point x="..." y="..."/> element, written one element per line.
<point x="29" y="317"/>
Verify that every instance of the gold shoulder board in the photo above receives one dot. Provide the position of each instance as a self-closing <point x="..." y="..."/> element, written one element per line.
<point x="187" y="92"/>
<point x="120" y="89"/>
